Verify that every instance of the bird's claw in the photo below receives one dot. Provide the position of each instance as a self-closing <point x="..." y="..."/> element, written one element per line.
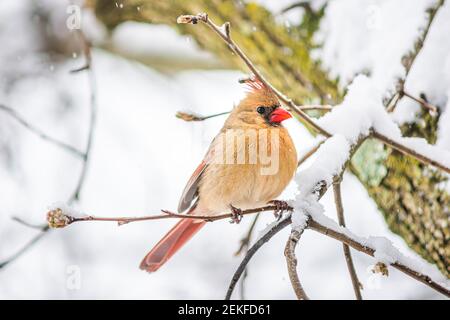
<point x="236" y="214"/>
<point x="280" y="207"/>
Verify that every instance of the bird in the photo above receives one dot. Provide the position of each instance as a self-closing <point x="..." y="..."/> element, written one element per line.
<point x="219" y="185"/>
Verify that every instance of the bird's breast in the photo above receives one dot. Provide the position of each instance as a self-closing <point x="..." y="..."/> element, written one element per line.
<point x="247" y="172"/>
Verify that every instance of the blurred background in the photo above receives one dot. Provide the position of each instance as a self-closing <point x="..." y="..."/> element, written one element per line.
<point x="138" y="69"/>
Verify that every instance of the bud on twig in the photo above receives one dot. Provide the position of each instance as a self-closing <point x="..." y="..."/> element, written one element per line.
<point x="56" y="218"/>
<point x="192" y="19"/>
<point x="381" y="268"/>
<point x="188" y="116"/>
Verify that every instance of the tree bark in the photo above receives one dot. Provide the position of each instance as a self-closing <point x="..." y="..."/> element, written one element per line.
<point x="406" y="192"/>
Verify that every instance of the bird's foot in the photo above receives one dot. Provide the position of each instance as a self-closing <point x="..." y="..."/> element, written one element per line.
<point x="280" y="207"/>
<point x="236" y="214"/>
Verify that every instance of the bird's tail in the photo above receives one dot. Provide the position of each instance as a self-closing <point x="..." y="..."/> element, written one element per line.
<point x="171" y="243"/>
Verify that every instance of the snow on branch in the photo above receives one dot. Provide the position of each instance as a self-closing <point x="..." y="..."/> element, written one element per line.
<point x="383" y="250"/>
<point x="362" y="113"/>
<point x="378" y="247"/>
<point x="327" y="169"/>
<point x="330" y="160"/>
<point x="409" y="58"/>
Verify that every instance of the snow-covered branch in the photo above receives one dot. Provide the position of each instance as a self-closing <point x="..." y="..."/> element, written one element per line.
<point x="331" y="159"/>
<point x="383" y="250"/>
<point x="409" y="57"/>
<point x="363" y="105"/>
<point x="378" y="247"/>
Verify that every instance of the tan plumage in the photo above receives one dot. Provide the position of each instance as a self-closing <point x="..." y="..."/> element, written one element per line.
<point x="216" y="185"/>
<point x="243" y="185"/>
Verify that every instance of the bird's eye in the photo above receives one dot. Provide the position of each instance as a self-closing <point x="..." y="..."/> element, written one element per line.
<point x="261" y="110"/>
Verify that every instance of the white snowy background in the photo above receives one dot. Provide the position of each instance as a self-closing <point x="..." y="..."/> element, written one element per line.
<point x="142" y="155"/>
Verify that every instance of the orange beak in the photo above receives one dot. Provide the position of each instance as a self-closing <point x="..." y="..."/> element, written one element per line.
<point x="279" y="115"/>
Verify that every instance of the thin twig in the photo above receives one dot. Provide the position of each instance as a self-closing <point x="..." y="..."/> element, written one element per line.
<point x="301" y="4"/>
<point x="308" y="154"/>
<point x="251" y="252"/>
<point x="93" y="115"/>
<point x="168" y="215"/>
<point x="348" y="256"/>
<point x="188" y="117"/>
<point x="29" y="225"/>
<point x="323" y="107"/>
<point x="41" y="134"/>
<point x="84" y="156"/>
<point x="408" y="151"/>
<point x="245" y="245"/>
<point x="422" y="102"/>
<point x="245" y="241"/>
<point x="410" y="57"/>
<point x="224" y="33"/>
<point x="194" y="117"/>
<point x="291" y="261"/>
<point x="25" y="248"/>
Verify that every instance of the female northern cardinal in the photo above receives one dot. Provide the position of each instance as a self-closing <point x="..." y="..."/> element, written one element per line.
<point x="217" y="186"/>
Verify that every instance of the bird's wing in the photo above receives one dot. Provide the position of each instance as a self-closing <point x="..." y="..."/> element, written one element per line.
<point x="190" y="191"/>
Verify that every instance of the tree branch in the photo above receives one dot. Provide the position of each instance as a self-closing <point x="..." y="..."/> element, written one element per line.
<point x="410" y="57"/>
<point x="84" y="156"/>
<point x="316" y="226"/>
<point x="188" y="117"/>
<point x="245" y="244"/>
<point x="41" y="134"/>
<point x="29" y="225"/>
<point x="408" y="151"/>
<point x="433" y="109"/>
<point x="25" y="248"/>
<point x="224" y="33"/>
<point x="58" y="215"/>
<point x="251" y="252"/>
<point x="308" y="154"/>
<point x="291" y="262"/>
<point x="245" y="241"/>
<point x="93" y="113"/>
<point x="348" y="256"/>
<point x="425" y="279"/>
<point x="301" y="4"/>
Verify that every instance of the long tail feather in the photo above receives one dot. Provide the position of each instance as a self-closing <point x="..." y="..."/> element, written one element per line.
<point x="170" y="243"/>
